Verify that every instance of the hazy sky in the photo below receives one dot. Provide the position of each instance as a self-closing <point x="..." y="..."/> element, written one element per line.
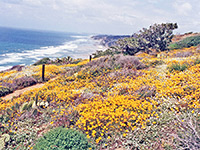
<point x="99" y="16"/>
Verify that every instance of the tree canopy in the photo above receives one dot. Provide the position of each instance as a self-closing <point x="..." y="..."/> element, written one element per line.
<point x="157" y="37"/>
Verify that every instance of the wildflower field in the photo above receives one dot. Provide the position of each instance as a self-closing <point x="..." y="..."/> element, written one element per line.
<point x="132" y="102"/>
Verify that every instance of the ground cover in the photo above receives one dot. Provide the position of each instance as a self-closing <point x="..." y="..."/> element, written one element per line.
<point x="134" y="102"/>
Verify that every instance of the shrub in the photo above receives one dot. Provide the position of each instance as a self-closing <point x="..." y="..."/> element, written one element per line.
<point x="116" y="62"/>
<point x="58" y="61"/>
<point x="17" y="67"/>
<point x="4" y="91"/>
<point x="177" y="67"/>
<point x="76" y="61"/>
<point x="25" y="81"/>
<point x="110" y="51"/>
<point x="11" y="86"/>
<point x="62" y="138"/>
<point x="187" y="42"/>
<point x="43" y="61"/>
<point x="19" y="83"/>
<point x="156" y="37"/>
<point x="197" y="61"/>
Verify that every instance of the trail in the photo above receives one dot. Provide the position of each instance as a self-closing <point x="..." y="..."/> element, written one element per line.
<point x="19" y="92"/>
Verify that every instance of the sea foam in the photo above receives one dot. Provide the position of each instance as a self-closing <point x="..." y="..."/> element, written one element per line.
<point x="81" y="47"/>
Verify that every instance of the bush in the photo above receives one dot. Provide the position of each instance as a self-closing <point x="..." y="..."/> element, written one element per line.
<point x="116" y="62"/>
<point x="58" y="61"/>
<point x="25" y="81"/>
<point x="177" y="67"/>
<point x="197" y="61"/>
<point x="5" y="90"/>
<point x="11" y="86"/>
<point x="157" y="37"/>
<point x="17" y="67"/>
<point x="187" y="42"/>
<point x="61" y="139"/>
<point x="111" y="51"/>
<point x="43" y="61"/>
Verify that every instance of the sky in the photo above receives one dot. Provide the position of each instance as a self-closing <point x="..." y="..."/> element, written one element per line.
<point x="99" y="16"/>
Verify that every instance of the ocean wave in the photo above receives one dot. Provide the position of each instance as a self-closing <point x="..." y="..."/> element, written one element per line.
<point x="4" y="68"/>
<point x="81" y="47"/>
<point x="80" y="36"/>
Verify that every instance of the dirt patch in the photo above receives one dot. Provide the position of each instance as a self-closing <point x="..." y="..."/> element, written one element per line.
<point x="19" y="92"/>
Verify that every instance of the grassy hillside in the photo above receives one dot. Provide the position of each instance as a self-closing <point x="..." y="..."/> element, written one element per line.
<point x="186" y="42"/>
<point x="133" y="102"/>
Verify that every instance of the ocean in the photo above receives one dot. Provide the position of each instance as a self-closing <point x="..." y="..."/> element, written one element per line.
<point x="25" y="47"/>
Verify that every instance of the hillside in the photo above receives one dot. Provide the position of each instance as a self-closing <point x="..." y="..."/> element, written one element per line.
<point x="141" y="93"/>
<point x="130" y="102"/>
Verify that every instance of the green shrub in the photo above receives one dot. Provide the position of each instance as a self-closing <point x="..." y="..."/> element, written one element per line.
<point x="157" y="37"/>
<point x="61" y="139"/>
<point x="5" y="90"/>
<point x="177" y="67"/>
<point x="187" y="42"/>
<point x="42" y="61"/>
<point x="111" y="51"/>
<point x="197" y="61"/>
<point x="76" y="61"/>
<point x="25" y="81"/>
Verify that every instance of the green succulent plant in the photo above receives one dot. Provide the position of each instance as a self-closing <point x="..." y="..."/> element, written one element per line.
<point x="63" y="139"/>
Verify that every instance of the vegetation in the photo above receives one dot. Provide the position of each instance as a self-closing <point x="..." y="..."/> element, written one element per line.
<point x="5" y="90"/>
<point x="15" y="79"/>
<point x="134" y="102"/>
<point x="43" y="61"/>
<point x="177" y="67"/>
<point x="157" y="37"/>
<point x="111" y="51"/>
<point x="58" y="61"/>
<point x="61" y="138"/>
<point x="187" y="42"/>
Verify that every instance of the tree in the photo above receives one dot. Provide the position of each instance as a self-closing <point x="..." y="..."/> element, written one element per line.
<point x="157" y="37"/>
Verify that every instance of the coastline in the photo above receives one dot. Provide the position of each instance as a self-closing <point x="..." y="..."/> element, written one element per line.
<point x="105" y="95"/>
<point x="79" y="48"/>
